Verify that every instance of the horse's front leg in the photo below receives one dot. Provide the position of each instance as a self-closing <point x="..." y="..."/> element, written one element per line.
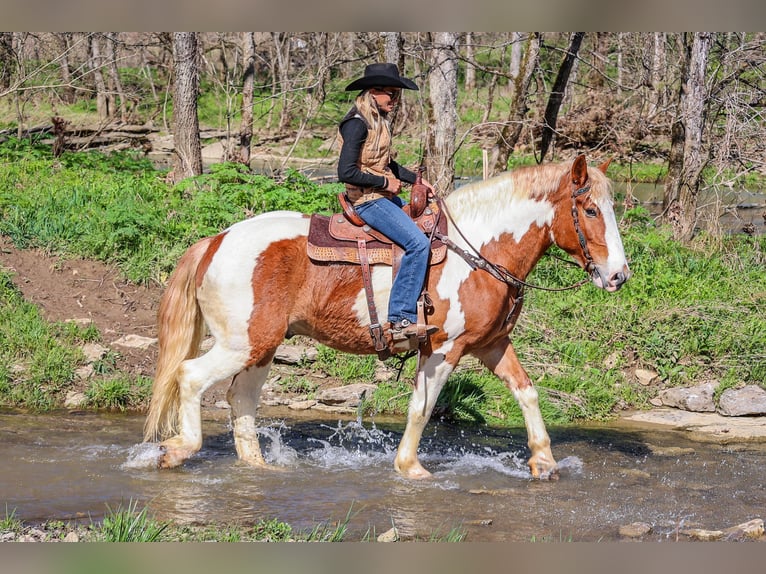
<point x="432" y="374"/>
<point x="501" y="359"/>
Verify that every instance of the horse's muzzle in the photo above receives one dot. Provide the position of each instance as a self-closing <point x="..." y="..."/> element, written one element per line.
<point x="613" y="282"/>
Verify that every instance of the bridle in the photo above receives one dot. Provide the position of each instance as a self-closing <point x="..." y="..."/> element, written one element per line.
<point x="477" y="261"/>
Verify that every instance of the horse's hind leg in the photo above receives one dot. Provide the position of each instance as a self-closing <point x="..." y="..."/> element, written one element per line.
<point x="194" y="377"/>
<point x="244" y="396"/>
<point x="501" y="359"/>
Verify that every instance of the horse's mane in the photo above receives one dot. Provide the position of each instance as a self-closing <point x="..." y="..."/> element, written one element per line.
<point x="527" y="182"/>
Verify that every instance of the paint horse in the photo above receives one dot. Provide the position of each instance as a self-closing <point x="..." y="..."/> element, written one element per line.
<point x="252" y="285"/>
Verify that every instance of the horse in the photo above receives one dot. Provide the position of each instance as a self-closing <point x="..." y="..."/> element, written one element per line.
<point x="252" y="285"/>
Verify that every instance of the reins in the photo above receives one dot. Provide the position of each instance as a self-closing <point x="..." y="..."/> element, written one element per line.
<point x="478" y="261"/>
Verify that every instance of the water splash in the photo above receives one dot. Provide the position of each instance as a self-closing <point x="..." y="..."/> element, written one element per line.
<point x="354" y="446"/>
<point x="570" y="466"/>
<point x="277" y="452"/>
<point x="143" y="455"/>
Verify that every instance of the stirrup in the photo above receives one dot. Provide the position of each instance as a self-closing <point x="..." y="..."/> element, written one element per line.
<point x="406" y="329"/>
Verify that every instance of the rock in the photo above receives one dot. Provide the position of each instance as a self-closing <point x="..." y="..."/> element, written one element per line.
<point x="697" y="399"/>
<point x="645" y="376"/>
<point x="749" y="400"/>
<point x="635" y="530"/>
<point x="669" y="450"/>
<point x="655" y="401"/>
<point x="707" y="427"/>
<point x="704" y="535"/>
<point x="295" y="354"/>
<point x="74" y="400"/>
<point x="750" y="529"/>
<point x="71" y="537"/>
<point x="391" y="535"/>
<point x="348" y="395"/>
<point x="84" y="372"/>
<point x="301" y="405"/>
<point x="224" y="405"/>
<point x="135" y="341"/>
<point x="94" y="352"/>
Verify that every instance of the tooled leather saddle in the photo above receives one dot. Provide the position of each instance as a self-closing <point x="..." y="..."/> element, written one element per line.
<point x="345" y="238"/>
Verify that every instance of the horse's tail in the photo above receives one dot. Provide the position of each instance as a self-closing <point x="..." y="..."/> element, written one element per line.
<point x="180" y="332"/>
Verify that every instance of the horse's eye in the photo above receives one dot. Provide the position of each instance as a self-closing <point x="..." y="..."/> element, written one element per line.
<point x="591" y="212"/>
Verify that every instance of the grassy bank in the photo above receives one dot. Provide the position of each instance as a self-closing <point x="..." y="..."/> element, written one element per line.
<point x="690" y="313"/>
<point x="130" y="523"/>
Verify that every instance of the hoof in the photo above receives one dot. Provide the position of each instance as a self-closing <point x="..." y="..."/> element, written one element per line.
<point x="546" y="473"/>
<point x="172" y="457"/>
<point x="413" y="472"/>
<point x="543" y="469"/>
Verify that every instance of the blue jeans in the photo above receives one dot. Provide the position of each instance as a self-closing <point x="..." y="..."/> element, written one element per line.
<point x="386" y="216"/>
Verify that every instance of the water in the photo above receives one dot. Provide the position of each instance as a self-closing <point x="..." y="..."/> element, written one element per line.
<point x="75" y="466"/>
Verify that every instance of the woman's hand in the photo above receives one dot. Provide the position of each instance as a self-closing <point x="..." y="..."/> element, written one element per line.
<point x="393" y="184"/>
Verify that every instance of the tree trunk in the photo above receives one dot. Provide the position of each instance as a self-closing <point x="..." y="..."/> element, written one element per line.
<point x="687" y="158"/>
<point x="7" y="60"/>
<point x="114" y="74"/>
<point x="516" y="50"/>
<point x="188" y="160"/>
<point x="470" y="68"/>
<point x="557" y="94"/>
<point x="96" y="64"/>
<point x="391" y="48"/>
<point x="248" y="82"/>
<point x="282" y="51"/>
<point x="65" y="45"/>
<point x="442" y="81"/>
<point x="511" y="132"/>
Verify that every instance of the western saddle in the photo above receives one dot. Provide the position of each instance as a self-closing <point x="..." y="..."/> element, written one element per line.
<point x="345" y="238"/>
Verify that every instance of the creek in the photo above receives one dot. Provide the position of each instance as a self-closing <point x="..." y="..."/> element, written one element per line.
<point x="76" y="465"/>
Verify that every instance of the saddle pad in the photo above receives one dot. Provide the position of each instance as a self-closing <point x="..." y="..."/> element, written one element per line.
<point x="322" y="246"/>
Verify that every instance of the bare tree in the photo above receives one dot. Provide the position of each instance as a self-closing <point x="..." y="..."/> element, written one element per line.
<point x="442" y="81"/>
<point x="114" y="75"/>
<point x="391" y="48"/>
<point x="7" y="60"/>
<point x="687" y="157"/>
<point x="188" y="150"/>
<point x="511" y="132"/>
<point x="103" y="103"/>
<point x="470" y="67"/>
<point x="557" y="93"/>
<point x="246" y="127"/>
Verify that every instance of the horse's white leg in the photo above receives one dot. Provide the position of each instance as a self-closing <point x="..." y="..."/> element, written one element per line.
<point x="194" y="378"/>
<point x="501" y="359"/>
<point x="432" y="375"/>
<point x="244" y="396"/>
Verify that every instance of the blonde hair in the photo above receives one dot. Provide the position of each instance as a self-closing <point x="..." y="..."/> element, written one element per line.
<point x="368" y="109"/>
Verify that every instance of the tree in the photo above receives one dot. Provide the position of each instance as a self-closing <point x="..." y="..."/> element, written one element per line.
<point x="246" y="127"/>
<point x="188" y="150"/>
<point x="442" y="82"/>
<point x="686" y="159"/>
<point x="557" y="93"/>
<point x="511" y="131"/>
<point x="103" y="103"/>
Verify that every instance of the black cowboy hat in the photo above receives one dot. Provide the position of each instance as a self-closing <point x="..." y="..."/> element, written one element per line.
<point x="381" y="75"/>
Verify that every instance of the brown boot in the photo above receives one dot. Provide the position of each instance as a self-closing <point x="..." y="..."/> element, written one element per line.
<point x="406" y="329"/>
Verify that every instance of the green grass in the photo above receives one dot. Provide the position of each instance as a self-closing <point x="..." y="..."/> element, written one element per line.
<point x="128" y="524"/>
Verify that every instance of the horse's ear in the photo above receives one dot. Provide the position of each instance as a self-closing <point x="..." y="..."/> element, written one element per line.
<point x="580" y="170"/>
<point x="603" y="167"/>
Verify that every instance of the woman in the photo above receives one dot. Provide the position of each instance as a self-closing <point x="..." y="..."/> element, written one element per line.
<point x="373" y="181"/>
